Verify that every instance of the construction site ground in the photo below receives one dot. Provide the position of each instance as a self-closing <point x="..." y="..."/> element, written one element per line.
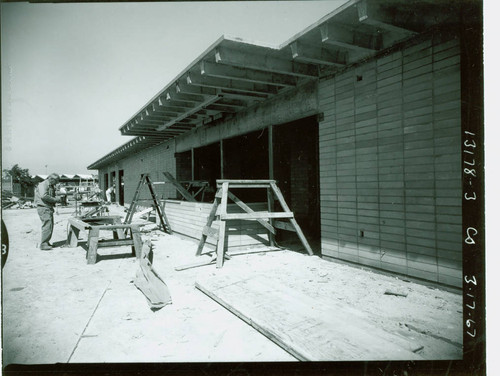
<point x="58" y="309"/>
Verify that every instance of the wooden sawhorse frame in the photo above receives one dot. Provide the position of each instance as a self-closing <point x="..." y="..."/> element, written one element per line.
<point x="95" y="225"/>
<point x="265" y="218"/>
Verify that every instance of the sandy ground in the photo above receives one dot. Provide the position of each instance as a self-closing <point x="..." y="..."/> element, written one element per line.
<point x="58" y="309"/>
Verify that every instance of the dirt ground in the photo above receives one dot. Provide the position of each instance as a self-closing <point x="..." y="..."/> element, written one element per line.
<point x="58" y="309"/>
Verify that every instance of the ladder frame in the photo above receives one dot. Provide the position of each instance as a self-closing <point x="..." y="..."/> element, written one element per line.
<point x="160" y="212"/>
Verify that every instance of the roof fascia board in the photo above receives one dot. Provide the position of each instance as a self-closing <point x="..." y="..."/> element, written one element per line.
<point x="324" y="19"/>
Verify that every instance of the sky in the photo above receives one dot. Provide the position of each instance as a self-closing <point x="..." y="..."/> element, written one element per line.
<point x="72" y="74"/>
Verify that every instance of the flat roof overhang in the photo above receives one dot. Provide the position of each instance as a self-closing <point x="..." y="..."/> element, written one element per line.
<point x="233" y="75"/>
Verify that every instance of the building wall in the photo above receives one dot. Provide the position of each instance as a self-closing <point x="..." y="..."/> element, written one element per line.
<point x="390" y="156"/>
<point x="153" y="161"/>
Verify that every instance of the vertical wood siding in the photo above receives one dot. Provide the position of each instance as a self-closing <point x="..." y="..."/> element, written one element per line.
<point x="390" y="159"/>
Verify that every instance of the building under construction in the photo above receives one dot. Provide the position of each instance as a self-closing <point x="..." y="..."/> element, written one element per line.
<point x="359" y="119"/>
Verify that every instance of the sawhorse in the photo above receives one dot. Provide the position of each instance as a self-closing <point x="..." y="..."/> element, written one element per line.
<point x="265" y="218"/>
<point x="95" y="225"/>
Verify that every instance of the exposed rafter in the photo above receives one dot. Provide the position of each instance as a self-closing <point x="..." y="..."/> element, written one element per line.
<point x="354" y="40"/>
<point x="245" y="74"/>
<point x="369" y="14"/>
<point x="167" y="101"/>
<point x="243" y="96"/>
<point x="241" y="86"/>
<point x="268" y="63"/>
<point x="187" y="97"/>
<point x="318" y="55"/>
<point x="209" y="100"/>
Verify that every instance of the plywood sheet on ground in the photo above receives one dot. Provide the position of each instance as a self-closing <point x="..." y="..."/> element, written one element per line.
<point x="306" y="328"/>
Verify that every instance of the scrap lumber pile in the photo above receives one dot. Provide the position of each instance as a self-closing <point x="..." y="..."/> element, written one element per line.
<point x="9" y="201"/>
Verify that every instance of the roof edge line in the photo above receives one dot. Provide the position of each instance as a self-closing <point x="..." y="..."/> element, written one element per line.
<point x="319" y="22"/>
<point x="184" y="71"/>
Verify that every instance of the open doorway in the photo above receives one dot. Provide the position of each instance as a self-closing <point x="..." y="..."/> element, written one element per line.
<point x="296" y="170"/>
<point x="247" y="157"/>
<point x="207" y="168"/>
<point x="121" y="188"/>
<point x="113" y="184"/>
<point x="105" y="183"/>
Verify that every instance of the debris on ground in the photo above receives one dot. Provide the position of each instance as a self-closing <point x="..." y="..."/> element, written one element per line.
<point x="149" y="282"/>
<point x="396" y="293"/>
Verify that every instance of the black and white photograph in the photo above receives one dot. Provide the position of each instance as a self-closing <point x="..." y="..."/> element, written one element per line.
<point x="244" y="187"/>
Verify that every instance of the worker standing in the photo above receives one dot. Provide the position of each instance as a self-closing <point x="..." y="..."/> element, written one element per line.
<point x="110" y="192"/>
<point x="64" y="195"/>
<point x="45" y="201"/>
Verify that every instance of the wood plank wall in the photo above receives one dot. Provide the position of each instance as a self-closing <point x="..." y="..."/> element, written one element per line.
<point x="189" y="218"/>
<point x="390" y="155"/>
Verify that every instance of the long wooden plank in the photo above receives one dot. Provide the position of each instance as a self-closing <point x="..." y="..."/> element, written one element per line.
<point x="114" y="243"/>
<point x="210" y="220"/>
<point x="208" y="231"/>
<point x="246" y="208"/>
<point x="78" y="224"/>
<point x="250" y="182"/>
<point x="257" y="215"/>
<point x="309" y="330"/>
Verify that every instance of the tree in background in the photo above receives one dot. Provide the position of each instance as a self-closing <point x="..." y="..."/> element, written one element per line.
<point x="22" y="177"/>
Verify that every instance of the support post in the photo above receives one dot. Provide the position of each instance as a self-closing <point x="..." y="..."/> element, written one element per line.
<point x="270" y="148"/>
<point x="92" y="245"/>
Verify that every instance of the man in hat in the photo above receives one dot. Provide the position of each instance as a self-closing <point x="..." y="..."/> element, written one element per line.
<point x="45" y="200"/>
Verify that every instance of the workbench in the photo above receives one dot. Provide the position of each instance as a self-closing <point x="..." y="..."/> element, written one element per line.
<point x="94" y="225"/>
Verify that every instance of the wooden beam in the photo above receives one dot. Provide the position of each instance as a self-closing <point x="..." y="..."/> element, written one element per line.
<point x="168" y="107"/>
<point x="236" y="103"/>
<point x="188" y="97"/>
<point x="191" y="111"/>
<point x="223" y="108"/>
<point x="318" y="55"/>
<point x="368" y="14"/>
<point x="350" y="39"/>
<point x="244" y="96"/>
<point x="249" y="183"/>
<point x="270" y="149"/>
<point x="223" y="205"/>
<point x="256" y="215"/>
<point x="185" y="88"/>
<point x="246" y="74"/>
<point x="246" y="208"/>
<point x="168" y="102"/>
<point x="223" y="83"/>
<point x="224" y="55"/>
